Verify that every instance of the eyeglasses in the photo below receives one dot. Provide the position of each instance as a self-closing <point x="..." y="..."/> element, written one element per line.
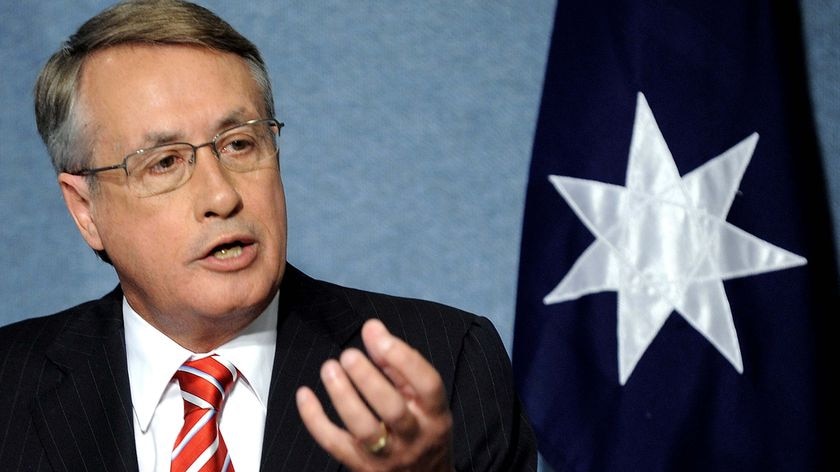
<point x="245" y="147"/>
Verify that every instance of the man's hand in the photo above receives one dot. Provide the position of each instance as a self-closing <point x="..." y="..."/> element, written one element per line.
<point x="406" y="406"/>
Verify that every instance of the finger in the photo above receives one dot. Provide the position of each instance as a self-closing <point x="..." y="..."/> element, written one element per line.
<point x="336" y="441"/>
<point x="406" y="367"/>
<point x="357" y="417"/>
<point x="379" y="392"/>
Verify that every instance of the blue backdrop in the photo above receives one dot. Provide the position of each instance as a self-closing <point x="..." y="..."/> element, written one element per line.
<point x="405" y="156"/>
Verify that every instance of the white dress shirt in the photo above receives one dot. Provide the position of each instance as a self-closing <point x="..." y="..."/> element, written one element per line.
<point x="158" y="407"/>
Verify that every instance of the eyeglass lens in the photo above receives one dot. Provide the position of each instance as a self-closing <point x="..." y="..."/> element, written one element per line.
<point x="241" y="149"/>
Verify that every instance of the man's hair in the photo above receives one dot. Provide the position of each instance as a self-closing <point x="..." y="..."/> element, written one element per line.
<point x="149" y="22"/>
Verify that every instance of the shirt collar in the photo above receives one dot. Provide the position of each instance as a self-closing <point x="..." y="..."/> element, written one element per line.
<point x="153" y="358"/>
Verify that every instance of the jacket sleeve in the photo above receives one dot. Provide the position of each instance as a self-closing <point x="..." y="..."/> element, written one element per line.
<point x="490" y="429"/>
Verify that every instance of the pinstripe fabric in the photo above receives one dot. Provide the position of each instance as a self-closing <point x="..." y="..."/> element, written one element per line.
<point x="64" y="392"/>
<point x="73" y="413"/>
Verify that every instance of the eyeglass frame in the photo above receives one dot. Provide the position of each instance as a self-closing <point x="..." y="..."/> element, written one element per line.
<point x="212" y="143"/>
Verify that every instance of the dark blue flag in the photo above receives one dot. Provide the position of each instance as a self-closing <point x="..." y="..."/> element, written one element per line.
<point x="677" y="289"/>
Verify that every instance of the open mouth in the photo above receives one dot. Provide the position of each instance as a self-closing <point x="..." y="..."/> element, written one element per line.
<point x="229" y="250"/>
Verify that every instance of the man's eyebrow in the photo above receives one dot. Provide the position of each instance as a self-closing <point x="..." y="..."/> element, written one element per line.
<point x="233" y="118"/>
<point x="159" y="138"/>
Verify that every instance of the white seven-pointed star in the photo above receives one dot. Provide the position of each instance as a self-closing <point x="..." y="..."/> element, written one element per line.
<point x="663" y="243"/>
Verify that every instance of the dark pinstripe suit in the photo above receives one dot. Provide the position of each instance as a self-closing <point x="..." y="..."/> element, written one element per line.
<point x="65" y="400"/>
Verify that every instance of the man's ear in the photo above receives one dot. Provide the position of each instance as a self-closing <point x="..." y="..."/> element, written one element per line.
<point x="78" y="197"/>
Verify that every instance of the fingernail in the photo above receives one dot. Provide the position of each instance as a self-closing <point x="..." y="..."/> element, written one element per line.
<point x="330" y="372"/>
<point x="385" y="343"/>
<point x="349" y="357"/>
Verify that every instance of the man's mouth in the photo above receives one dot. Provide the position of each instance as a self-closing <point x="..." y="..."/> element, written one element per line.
<point x="229" y="250"/>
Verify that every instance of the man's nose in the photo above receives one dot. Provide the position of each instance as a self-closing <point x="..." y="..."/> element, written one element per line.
<point x="213" y="186"/>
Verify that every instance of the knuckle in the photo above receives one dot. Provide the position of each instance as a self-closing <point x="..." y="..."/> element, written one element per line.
<point x="432" y="389"/>
<point x="395" y="413"/>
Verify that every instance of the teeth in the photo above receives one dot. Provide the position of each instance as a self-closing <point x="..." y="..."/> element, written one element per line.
<point x="227" y="253"/>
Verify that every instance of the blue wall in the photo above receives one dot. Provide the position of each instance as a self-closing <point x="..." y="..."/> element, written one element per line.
<point x="405" y="155"/>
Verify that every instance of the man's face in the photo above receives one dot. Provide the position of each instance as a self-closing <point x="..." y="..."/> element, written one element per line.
<point x="166" y="247"/>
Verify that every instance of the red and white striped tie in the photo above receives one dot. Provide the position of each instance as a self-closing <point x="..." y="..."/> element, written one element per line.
<point x="204" y="385"/>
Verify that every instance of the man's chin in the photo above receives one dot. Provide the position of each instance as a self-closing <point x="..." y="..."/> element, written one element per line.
<point x="235" y="305"/>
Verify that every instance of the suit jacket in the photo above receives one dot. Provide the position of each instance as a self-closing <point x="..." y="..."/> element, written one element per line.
<point x="65" y="402"/>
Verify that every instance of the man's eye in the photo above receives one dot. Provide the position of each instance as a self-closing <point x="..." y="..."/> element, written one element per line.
<point x="164" y="164"/>
<point x="239" y="145"/>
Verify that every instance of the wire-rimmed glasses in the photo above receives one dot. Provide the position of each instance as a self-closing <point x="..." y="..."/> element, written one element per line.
<point x="245" y="147"/>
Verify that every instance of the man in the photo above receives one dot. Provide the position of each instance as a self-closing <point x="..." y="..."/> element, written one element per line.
<point x="159" y="119"/>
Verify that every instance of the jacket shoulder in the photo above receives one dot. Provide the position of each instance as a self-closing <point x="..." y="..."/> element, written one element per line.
<point x="28" y="338"/>
<point x="438" y="331"/>
<point x="420" y="322"/>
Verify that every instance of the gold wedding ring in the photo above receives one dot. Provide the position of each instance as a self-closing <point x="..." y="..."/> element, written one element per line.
<point x="380" y="443"/>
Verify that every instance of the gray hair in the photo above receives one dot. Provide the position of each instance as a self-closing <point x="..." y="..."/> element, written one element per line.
<point x="155" y="22"/>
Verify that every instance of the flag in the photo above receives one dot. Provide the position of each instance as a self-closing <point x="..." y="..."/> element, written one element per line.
<point x="678" y="289"/>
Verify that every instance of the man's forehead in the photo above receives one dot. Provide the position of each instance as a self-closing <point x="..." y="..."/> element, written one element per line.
<point x="169" y="92"/>
<point x="120" y="64"/>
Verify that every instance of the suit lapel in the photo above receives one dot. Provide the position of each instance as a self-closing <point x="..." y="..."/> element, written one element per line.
<point x="313" y="326"/>
<point x="83" y="412"/>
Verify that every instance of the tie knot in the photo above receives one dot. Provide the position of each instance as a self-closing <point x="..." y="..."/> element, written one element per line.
<point x="205" y="382"/>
